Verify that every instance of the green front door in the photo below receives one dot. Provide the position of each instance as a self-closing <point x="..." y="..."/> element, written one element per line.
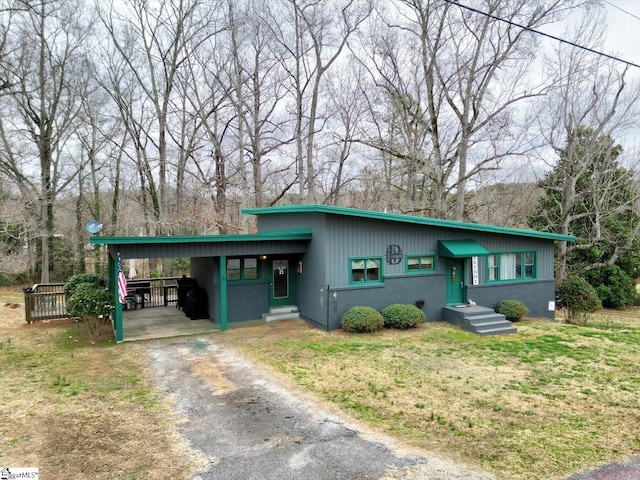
<point x="455" y="281"/>
<point x="280" y="285"/>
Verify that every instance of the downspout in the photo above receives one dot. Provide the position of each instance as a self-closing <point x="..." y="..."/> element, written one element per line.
<point x="328" y="297"/>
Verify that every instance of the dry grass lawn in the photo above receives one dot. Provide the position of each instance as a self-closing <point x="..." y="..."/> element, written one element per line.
<point x="543" y="403"/>
<point x="81" y="411"/>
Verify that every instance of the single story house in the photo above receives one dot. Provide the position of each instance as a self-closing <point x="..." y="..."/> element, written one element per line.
<point x="321" y="260"/>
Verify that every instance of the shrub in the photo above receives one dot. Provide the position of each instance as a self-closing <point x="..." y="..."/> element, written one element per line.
<point x="514" y="310"/>
<point x="579" y="298"/>
<point x="362" y="319"/>
<point x="402" y="316"/>
<point x="89" y="302"/>
<point x="615" y="288"/>
<point x="92" y="278"/>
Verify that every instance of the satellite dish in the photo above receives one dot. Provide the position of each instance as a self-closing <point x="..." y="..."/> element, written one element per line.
<point x="93" y="227"/>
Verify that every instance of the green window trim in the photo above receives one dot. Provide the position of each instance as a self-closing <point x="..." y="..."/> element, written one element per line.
<point x="365" y="271"/>
<point x="243" y="269"/>
<point x="423" y="263"/>
<point x="511" y="266"/>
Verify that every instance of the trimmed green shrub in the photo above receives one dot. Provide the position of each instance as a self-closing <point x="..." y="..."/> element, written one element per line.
<point x="615" y="288"/>
<point x="579" y="299"/>
<point x="514" y="310"/>
<point x="89" y="302"/>
<point x="362" y="320"/>
<point x="92" y="278"/>
<point x="402" y="316"/>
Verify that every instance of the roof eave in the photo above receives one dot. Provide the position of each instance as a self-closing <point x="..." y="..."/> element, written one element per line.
<point x="279" y="235"/>
<point x="394" y="217"/>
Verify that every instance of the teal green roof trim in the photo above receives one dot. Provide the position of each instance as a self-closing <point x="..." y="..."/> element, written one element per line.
<point x="460" y="249"/>
<point x="394" y="217"/>
<point x="278" y="235"/>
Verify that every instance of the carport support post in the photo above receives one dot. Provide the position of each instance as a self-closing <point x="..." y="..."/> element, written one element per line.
<point x="113" y="286"/>
<point x="223" y="292"/>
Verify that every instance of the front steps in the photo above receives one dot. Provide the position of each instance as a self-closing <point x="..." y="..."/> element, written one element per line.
<point x="478" y="320"/>
<point x="286" y="312"/>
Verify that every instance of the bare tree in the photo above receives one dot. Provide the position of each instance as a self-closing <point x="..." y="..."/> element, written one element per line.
<point x="456" y="86"/>
<point x="311" y="38"/>
<point x="46" y="47"/>
<point x="154" y="41"/>
<point x="591" y="103"/>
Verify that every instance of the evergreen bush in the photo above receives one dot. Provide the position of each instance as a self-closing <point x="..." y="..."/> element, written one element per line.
<point x="90" y="303"/>
<point x="579" y="299"/>
<point x="514" y="310"/>
<point x="402" y="316"/>
<point x="91" y="278"/>
<point x="615" y="288"/>
<point x="362" y="319"/>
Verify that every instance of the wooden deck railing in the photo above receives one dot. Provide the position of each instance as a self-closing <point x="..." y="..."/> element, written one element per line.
<point x="47" y="301"/>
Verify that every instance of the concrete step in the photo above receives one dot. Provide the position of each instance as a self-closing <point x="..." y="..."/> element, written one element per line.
<point x="284" y="309"/>
<point x="486" y="318"/>
<point x="497" y="331"/>
<point x="478" y="319"/>
<point x="285" y="312"/>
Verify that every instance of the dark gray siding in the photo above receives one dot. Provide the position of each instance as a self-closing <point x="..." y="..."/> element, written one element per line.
<point x="336" y="239"/>
<point x="408" y="290"/>
<point x="535" y="295"/>
<point x="195" y="250"/>
<point x="245" y="300"/>
<point x="311" y="289"/>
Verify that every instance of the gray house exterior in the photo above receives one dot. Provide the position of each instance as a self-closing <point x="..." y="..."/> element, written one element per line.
<point x="324" y="260"/>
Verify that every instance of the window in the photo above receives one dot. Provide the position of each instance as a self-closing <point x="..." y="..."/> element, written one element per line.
<point x="420" y="263"/>
<point x="242" y="268"/>
<point x="366" y="270"/>
<point x="511" y="266"/>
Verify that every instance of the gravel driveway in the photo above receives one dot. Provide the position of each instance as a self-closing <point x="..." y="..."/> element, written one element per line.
<point x="248" y="426"/>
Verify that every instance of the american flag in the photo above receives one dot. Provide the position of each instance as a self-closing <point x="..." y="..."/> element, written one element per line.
<point x="122" y="283"/>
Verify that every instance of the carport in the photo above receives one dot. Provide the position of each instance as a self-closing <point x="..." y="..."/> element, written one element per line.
<point x="211" y="257"/>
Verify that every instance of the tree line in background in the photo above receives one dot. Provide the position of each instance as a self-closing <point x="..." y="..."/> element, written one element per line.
<point x="170" y="116"/>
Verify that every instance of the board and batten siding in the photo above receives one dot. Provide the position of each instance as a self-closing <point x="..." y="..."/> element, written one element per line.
<point x="200" y="250"/>
<point x="338" y="238"/>
<point x="311" y="287"/>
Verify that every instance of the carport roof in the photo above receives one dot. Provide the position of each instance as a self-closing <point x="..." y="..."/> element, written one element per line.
<point x="297" y="234"/>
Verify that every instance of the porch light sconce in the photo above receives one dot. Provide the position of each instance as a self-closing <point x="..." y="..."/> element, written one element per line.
<point x="263" y="257"/>
<point x="300" y="266"/>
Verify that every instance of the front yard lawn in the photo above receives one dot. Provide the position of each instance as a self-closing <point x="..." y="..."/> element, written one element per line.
<point x="540" y="404"/>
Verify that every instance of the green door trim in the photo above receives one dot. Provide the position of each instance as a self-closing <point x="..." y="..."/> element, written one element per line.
<point x="279" y="272"/>
<point x="455" y="281"/>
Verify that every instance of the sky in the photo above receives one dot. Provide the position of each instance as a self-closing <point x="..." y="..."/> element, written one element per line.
<point x="623" y="32"/>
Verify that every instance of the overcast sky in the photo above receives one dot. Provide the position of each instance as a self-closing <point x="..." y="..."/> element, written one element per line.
<point x="623" y="33"/>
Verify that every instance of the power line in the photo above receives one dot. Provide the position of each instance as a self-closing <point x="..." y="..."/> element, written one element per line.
<point x="622" y="9"/>
<point x="561" y="40"/>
